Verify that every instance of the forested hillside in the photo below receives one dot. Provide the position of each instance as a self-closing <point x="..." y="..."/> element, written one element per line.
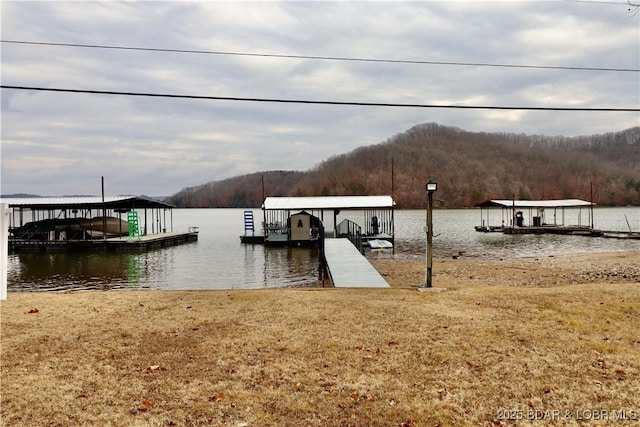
<point x="469" y="168"/>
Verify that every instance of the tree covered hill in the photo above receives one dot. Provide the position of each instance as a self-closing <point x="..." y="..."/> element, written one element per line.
<point x="469" y="167"/>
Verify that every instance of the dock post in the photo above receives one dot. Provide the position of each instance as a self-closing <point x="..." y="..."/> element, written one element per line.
<point x="4" y="241"/>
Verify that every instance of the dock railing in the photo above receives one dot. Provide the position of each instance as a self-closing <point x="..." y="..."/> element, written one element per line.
<point x="352" y="231"/>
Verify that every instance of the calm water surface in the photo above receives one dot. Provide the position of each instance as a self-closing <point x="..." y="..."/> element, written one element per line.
<point x="219" y="261"/>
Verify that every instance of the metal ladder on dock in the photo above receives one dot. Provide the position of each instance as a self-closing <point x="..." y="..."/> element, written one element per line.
<point x="133" y="225"/>
<point x="248" y="223"/>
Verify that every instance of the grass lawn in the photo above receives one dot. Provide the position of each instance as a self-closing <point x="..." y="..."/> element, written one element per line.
<point x="484" y="352"/>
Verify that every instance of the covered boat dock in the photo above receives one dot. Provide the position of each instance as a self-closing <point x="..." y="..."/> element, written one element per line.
<point x="305" y="220"/>
<point x="537" y="217"/>
<point x="300" y="221"/>
<point x="81" y="222"/>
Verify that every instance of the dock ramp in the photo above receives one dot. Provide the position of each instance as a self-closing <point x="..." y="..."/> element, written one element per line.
<point x="348" y="268"/>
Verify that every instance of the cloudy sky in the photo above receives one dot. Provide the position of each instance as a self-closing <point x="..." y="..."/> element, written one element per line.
<point x="58" y="143"/>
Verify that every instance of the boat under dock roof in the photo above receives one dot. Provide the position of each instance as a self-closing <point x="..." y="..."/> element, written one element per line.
<point x="70" y="222"/>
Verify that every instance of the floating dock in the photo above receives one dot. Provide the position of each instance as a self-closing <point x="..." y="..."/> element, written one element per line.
<point x="514" y="220"/>
<point x="631" y="235"/>
<point x="146" y="242"/>
<point x="252" y="240"/>
<point x="89" y="222"/>
<point x="348" y="268"/>
<point x="568" y="230"/>
<point x="300" y="221"/>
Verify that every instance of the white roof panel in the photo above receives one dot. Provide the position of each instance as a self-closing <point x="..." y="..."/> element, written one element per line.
<point x="563" y="203"/>
<point x="329" y="202"/>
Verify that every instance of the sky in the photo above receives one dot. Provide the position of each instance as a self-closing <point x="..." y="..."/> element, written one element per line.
<point x="430" y="53"/>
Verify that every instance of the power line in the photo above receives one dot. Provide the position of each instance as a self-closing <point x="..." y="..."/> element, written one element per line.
<point x="302" y="101"/>
<point x="634" y="8"/>
<point x="599" y="2"/>
<point x="326" y="58"/>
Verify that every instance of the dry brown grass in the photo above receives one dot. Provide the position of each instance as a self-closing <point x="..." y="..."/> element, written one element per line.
<point x="331" y="357"/>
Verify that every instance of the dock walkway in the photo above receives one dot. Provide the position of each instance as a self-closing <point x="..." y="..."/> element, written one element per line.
<point x="348" y="268"/>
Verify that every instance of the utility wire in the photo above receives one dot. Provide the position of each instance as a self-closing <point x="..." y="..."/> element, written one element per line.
<point x="634" y="8"/>
<point x="302" y="101"/>
<point x="326" y="58"/>
<point x="601" y="2"/>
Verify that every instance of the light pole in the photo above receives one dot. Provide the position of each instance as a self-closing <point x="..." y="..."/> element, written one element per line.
<point x="431" y="188"/>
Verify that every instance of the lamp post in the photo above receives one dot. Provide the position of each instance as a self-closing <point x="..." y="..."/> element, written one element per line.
<point x="431" y="188"/>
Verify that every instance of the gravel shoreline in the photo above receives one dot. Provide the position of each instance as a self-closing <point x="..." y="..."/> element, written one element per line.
<point x="614" y="267"/>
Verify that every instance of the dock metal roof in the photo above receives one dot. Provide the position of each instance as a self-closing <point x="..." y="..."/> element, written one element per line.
<point x="562" y="203"/>
<point x="328" y="202"/>
<point x="71" y="202"/>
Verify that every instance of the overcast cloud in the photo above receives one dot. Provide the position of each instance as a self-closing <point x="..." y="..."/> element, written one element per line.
<point x="62" y="143"/>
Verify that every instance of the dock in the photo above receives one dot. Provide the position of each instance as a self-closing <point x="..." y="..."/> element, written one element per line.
<point x="544" y="229"/>
<point x="146" y="242"/>
<point x="252" y="240"/>
<point x="90" y="223"/>
<point x="544" y="217"/>
<point x="348" y="268"/>
<point x="152" y="241"/>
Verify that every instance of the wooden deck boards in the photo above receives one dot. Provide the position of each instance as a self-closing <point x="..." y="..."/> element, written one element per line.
<point x="348" y="268"/>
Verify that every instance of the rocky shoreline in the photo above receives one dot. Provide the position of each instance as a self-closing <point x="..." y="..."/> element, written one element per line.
<point x="614" y="267"/>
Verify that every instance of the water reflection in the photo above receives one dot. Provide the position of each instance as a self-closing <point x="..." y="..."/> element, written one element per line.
<point x="61" y="271"/>
<point x="291" y="267"/>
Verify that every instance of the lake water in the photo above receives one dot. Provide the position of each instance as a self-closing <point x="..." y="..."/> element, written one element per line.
<point x="219" y="261"/>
